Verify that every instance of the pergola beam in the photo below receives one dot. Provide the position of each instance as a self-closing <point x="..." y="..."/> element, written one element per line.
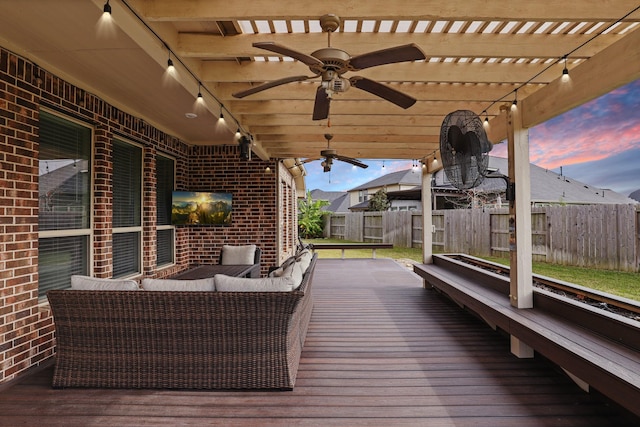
<point x="535" y="10"/>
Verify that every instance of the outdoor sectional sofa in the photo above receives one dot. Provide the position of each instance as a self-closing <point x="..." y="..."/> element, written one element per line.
<point x="179" y="339"/>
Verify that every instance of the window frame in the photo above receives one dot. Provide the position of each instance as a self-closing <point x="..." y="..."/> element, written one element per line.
<point x="169" y="226"/>
<point x="139" y="229"/>
<point x="87" y="232"/>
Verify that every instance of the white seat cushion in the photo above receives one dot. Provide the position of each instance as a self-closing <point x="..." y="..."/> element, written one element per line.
<point x="226" y="283"/>
<point x="178" y="285"/>
<point x="86" y="283"/>
<point x="238" y="255"/>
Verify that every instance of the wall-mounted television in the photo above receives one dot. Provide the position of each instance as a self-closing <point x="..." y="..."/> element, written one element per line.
<point x="201" y="208"/>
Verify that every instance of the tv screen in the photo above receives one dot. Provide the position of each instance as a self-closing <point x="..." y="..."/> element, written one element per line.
<point x="200" y="208"/>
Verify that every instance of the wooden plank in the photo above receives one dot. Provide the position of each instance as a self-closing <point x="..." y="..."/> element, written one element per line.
<point x="610" y="367"/>
<point x="380" y="351"/>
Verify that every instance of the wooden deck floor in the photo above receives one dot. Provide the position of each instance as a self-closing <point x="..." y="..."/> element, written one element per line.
<point x="381" y="351"/>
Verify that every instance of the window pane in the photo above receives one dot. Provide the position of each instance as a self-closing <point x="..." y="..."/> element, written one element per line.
<point x="164" y="188"/>
<point x="126" y="254"/>
<point x="127" y="185"/>
<point x="59" y="258"/>
<point x="65" y="174"/>
<point x="165" y="246"/>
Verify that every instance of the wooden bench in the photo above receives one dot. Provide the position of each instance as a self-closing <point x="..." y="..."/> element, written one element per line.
<point x="596" y="348"/>
<point x="344" y="246"/>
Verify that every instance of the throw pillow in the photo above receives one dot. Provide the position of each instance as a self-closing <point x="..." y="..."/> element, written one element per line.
<point x="238" y="255"/>
<point x="278" y="271"/>
<point x="305" y="258"/>
<point x="226" y="283"/>
<point x="86" y="283"/>
<point x="178" y="285"/>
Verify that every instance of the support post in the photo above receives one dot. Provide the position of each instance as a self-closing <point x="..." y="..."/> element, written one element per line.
<point x="427" y="220"/>
<point x="521" y="292"/>
<point x="521" y="280"/>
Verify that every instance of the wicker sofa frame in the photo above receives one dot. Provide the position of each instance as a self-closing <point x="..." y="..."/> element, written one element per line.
<point x="180" y="340"/>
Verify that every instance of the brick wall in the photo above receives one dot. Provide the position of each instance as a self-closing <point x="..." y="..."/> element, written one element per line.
<point x="255" y="204"/>
<point x="26" y="325"/>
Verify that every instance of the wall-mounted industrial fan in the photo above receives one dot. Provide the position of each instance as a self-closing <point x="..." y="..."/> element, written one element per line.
<point x="464" y="148"/>
<point x="331" y="63"/>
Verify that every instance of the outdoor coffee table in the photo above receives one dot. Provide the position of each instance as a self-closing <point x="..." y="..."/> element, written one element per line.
<point x="206" y="271"/>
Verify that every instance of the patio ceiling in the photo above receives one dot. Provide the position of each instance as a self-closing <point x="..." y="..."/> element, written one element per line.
<point x="477" y="54"/>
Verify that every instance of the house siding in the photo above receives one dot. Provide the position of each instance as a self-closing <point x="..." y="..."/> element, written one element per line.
<point x="27" y="336"/>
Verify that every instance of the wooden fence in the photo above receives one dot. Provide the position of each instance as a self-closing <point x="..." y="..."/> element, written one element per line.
<point x="602" y="236"/>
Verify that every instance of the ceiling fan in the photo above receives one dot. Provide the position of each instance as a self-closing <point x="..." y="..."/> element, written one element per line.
<point x="330" y="154"/>
<point x="330" y="63"/>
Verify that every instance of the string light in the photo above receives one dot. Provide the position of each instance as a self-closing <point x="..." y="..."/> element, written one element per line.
<point x="200" y="98"/>
<point x="170" y="65"/>
<point x="514" y="106"/>
<point x="565" y="71"/>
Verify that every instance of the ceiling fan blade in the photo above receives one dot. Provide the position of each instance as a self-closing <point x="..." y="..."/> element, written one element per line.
<point x="283" y="50"/>
<point x="350" y="160"/>
<point x="269" y="85"/>
<point x="321" y="105"/>
<point x="312" y="159"/>
<point x="407" y="52"/>
<point x="383" y="91"/>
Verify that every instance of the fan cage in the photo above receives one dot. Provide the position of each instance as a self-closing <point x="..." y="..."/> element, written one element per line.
<point x="466" y="168"/>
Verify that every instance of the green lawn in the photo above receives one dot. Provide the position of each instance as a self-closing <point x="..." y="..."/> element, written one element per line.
<point x="620" y="283"/>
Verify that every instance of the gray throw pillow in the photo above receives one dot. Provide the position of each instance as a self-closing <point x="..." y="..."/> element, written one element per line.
<point x="238" y="255"/>
<point x="86" y="283"/>
<point x="226" y="283"/>
<point x="178" y="285"/>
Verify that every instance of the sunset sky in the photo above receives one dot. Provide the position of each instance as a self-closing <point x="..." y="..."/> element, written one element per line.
<point x="597" y="143"/>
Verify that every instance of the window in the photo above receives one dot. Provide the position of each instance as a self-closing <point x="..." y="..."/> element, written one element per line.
<point x="64" y="192"/>
<point x="165" y="178"/>
<point x="363" y="196"/>
<point x="127" y="209"/>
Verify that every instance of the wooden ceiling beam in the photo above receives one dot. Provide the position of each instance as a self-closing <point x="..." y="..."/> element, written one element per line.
<point x="302" y="139"/>
<point x="207" y="46"/>
<point x="448" y="72"/>
<point x="339" y="106"/>
<point x="383" y="152"/>
<point x="533" y="10"/>
<point x="347" y="130"/>
<point x="339" y="121"/>
<point x="420" y="91"/>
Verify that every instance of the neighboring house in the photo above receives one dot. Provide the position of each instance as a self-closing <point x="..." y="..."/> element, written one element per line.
<point x="395" y="181"/>
<point x="547" y="188"/>
<point x="635" y="195"/>
<point x="338" y="200"/>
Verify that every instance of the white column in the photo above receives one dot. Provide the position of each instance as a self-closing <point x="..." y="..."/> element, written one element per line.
<point x="521" y="283"/>
<point x="520" y="212"/>
<point x="427" y="222"/>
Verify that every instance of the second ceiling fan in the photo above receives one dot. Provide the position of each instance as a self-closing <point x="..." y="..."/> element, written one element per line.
<point x="330" y="63"/>
<point x="330" y="154"/>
